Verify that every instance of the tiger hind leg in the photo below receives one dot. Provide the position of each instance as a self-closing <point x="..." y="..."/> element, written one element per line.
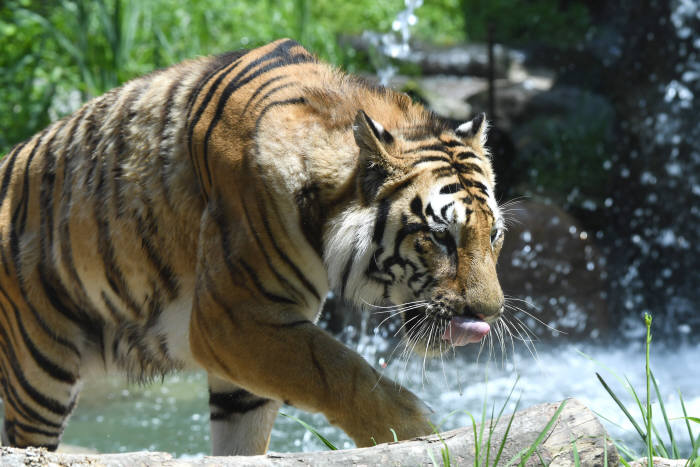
<point x="28" y="423"/>
<point x="241" y="422"/>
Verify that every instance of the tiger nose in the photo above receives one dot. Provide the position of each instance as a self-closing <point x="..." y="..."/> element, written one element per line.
<point x="488" y="314"/>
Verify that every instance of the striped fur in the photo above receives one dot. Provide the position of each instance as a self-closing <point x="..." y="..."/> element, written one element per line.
<point x="197" y="217"/>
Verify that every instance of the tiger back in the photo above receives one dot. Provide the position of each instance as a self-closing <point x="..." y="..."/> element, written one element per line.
<point x="197" y="217"/>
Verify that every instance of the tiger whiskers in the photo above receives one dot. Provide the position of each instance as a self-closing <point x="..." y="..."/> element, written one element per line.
<point x="510" y="210"/>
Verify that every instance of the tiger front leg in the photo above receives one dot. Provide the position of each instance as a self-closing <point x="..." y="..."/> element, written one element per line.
<point x="293" y="361"/>
<point x="240" y="422"/>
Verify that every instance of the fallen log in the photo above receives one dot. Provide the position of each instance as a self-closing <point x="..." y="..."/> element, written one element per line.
<point x="575" y="425"/>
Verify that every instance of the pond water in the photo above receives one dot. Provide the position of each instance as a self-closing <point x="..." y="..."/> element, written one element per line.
<point x="173" y="416"/>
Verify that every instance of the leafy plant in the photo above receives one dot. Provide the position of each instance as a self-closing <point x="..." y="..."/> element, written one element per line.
<point x="311" y="429"/>
<point x="654" y="443"/>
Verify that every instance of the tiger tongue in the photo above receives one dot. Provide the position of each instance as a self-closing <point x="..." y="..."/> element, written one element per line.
<point x="462" y="330"/>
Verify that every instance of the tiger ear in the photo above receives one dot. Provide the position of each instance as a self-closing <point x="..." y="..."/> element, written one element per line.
<point x="371" y="135"/>
<point x="375" y="144"/>
<point x="474" y="131"/>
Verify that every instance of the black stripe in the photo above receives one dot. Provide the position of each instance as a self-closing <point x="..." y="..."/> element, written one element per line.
<point x="8" y="170"/>
<point x="443" y="210"/>
<point x="64" y="240"/>
<point x="292" y="324"/>
<point x="317" y="365"/>
<point x="467" y="168"/>
<point x="380" y="223"/>
<point x="453" y="143"/>
<point x="472" y="183"/>
<point x="425" y="160"/>
<point x="295" y="269"/>
<point x="396" y="189"/>
<point x="261" y="246"/>
<point x="58" y="296"/>
<point x="431" y="213"/>
<point x="120" y="152"/>
<point x="220" y="301"/>
<point x="217" y="64"/>
<point x="236" y="83"/>
<point x="19" y="217"/>
<point x="263" y="291"/>
<point x="429" y="147"/>
<point x="41" y="399"/>
<point x="50" y="368"/>
<point x="200" y="110"/>
<point x="280" y="49"/>
<point x="46" y="197"/>
<point x="147" y="229"/>
<point x="451" y="188"/>
<point x="236" y="402"/>
<point x="311" y="215"/>
<point x="113" y="274"/>
<point x="11" y="398"/>
<point x="258" y="91"/>
<point x="165" y="144"/>
<point x="274" y="90"/>
<point x="417" y="207"/>
<point x="466" y="155"/>
<point x="32" y="429"/>
<point x="442" y="172"/>
<point x="346" y="271"/>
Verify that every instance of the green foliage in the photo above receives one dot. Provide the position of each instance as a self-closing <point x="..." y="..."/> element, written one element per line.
<point x="313" y="431"/>
<point x="654" y="443"/>
<point x="565" y="150"/>
<point x="58" y="53"/>
<point x="522" y="22"/>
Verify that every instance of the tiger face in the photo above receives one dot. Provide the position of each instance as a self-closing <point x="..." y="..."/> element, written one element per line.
<point x="437" y="232"/>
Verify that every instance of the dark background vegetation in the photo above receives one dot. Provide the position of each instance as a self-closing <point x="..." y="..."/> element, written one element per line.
<point x="614" y="143"/>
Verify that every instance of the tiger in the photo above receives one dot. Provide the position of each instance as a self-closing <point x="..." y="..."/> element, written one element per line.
<point x="197" y="217"/>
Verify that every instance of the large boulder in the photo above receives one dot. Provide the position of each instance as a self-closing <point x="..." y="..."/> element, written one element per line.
<point x="553" y="272"/>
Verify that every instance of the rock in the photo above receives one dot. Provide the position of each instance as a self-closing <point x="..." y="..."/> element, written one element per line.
<point x="576" y="424"/>
<point x="548" y="260"/>
<point x="659" y="462"/>
<point x="459" y="60"/>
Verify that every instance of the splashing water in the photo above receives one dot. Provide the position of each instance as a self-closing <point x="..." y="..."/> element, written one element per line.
<point x="393" y="44"/>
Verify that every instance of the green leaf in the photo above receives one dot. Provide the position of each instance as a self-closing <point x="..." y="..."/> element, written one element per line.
<point x="674" y="447"/>
<point x="312" y="430"/>
<point x="621" y="406"/>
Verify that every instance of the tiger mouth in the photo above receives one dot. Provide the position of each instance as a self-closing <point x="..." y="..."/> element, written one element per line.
<point x="457" y="330"/>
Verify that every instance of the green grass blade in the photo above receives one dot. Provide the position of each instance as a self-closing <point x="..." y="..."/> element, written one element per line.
<point x="477" y="448"/>
<point x="539" y="456"/>
<point x="393" y="432"/>
<point x="622" y="407"/>
<point x="687" y="424"/>
<point x="577" y="459"/>
<point x="540" y="437"/>
<point x="516" y="458"/>
<point x="505" y="435"/>
<point x="445" y="450"/>
<point x="625" y="450"/>
<point x="650" y="449"/>
<point x="493" y="425"/>
<point x="674" y="446"/>
<point x="605" y="451"/>
<point x="432" y="456"/>
<point x="312" y="430"/>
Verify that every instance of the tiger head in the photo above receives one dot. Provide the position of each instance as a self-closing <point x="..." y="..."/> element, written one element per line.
<point x="434" y="232"/>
